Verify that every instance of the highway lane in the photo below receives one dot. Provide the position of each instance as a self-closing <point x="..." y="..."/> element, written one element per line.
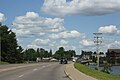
<point x="39" y="71"/>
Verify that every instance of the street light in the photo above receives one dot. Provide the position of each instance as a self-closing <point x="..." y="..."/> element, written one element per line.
<point x="97" y="41"/>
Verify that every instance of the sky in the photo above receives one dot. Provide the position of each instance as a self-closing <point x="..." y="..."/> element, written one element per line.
<point x="51" y="24"/>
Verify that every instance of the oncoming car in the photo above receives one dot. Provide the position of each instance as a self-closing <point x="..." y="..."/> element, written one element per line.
<point x="63" y="61"/>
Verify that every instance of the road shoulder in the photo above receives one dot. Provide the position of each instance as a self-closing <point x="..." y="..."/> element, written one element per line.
<point x="74" y="74"/>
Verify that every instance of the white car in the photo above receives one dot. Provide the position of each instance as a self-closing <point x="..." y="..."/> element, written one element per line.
<point x="74" y="60"/>
<point x="53" y="60"/>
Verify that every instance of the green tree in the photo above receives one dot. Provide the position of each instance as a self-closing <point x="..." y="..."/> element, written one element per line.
<point x="61" y="53"/>
<point x="19" y="55"/>
<point x="38" y="52"/>
<point x="42" y="51"/>
<point x="50" y="53"/>
<point x="26" y="56"/>
<point x="107" y="67"/>
<point x="30" y="54"/>
<point x="46" y="54"/>
<point x="69" y="54"/>
<point x="10" y="51"/>
<point x="118" y="60"/>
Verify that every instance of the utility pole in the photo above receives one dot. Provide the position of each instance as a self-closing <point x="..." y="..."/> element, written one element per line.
<point x="97" y="41"/>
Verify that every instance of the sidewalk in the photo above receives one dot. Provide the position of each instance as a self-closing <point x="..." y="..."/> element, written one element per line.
<point x="74" y="74"/>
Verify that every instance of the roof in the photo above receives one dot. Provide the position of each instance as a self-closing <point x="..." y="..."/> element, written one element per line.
<point x="115" y="50"/>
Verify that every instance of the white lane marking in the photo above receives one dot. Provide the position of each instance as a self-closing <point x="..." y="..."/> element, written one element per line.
<point x="12" y="68"/>
<point x="44" y="66"/>
<point x="21" y="75"/>
<point x="35" y="69"/>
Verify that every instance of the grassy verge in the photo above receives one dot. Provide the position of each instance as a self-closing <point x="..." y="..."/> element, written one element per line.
<point x="4" y="63"/>
<point x="95" y="73"/>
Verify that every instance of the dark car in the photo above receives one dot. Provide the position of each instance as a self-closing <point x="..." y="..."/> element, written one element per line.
<point x="63" y="61"/>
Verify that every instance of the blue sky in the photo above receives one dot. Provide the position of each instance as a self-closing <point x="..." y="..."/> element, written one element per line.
<point x="50" y="24"/>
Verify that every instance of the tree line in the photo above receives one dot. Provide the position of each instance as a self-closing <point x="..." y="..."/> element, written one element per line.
<point x="92" y="56"/>
<point x="31" y="54"/>
<point x="11" y="52"/>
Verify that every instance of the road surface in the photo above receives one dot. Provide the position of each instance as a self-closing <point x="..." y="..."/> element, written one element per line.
<point x="37" y="71"/>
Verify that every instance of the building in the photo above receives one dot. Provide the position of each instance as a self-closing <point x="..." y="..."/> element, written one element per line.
<point x="113" y="56"/>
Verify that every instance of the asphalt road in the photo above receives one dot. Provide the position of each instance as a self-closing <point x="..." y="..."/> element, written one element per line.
<point x="39" y="71"/>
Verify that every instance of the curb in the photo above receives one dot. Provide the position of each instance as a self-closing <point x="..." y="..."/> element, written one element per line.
<point x="67" y="75"/>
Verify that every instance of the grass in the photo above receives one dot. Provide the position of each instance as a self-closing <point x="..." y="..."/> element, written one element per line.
<point x="4" y="63"/>
<point x="95" y="73"/>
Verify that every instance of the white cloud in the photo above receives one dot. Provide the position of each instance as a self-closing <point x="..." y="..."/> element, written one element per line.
<point x="54" y="36"/>
<point x="86" y="43"/>
<point x="63" y="42"/>
<point x="41" y="42"/>
<point x="115" y="44"/>
<point x="41" y="34"/>
<point x="82" y="7"/>
<point x="53" y="44"/>
<point x="22" y="32"/>
<point x="109" y="29"/>
<point x="2" y="17"/>
<point x="38" y="29"/>
<point x="32" y="15"/>
<point x="70" y="47"/>
<point x="69" y="34"/>
<point x="66" y="34"/>
<point x="33" y="46"/>
<point x="36" y="24"/>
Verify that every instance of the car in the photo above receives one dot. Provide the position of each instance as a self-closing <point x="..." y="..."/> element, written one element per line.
<point x="53" y="60"/>
<point x="63" y="61"/>
<point x="74" y="60"/>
